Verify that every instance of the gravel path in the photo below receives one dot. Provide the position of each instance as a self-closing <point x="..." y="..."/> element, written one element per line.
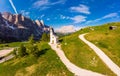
<point x="6" y="58"/>
<point x="70" y="66"/>
<point x="102" y="56"/>
<point x="4" y="53"/>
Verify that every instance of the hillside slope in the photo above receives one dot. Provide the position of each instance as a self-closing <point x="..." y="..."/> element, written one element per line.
<point x="107" y="40"/>
<point x="81" y="55"/>
<point x="48" y="64"/>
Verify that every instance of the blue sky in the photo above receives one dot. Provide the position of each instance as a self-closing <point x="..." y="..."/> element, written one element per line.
<point x="59" y="13"/>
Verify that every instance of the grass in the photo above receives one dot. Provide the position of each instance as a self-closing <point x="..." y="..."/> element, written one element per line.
<point x="12" y="44"/>
<point x="81" y="55"/>
<point x="107" y="40"/>
<point x="47" y="64"/>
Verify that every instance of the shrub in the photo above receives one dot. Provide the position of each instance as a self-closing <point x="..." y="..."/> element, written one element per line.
<point x="30" y="48"/>
<point x="22" y="51"/>
<point x="36" y="51"/>
<point x="15" y="52"/>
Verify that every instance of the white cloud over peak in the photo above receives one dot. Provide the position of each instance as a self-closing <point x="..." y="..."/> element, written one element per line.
<point x="78" y="19"/>
<point x="81" y="9"/>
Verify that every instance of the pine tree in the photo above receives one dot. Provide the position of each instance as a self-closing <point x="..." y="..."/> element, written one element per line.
<point x="22" y="50"/>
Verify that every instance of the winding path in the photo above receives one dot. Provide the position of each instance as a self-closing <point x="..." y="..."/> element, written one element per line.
<point x="70" y="66"/>
<point x="102" y="56"/>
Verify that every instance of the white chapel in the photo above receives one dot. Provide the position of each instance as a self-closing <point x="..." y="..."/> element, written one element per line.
<point x="53" y="37"/>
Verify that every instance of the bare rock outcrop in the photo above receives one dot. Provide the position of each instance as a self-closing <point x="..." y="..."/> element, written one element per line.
<point x="15" y="27"/>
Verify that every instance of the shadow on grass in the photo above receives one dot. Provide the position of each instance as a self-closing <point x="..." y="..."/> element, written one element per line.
<point x="41" y="52"/>
<point x="61" y="40"/>
<point x="1" y="57"/>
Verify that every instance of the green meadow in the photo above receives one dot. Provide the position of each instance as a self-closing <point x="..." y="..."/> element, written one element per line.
<point x="48" y="64"/>
<point x="83" y="56"/>
<point x="107" y="40"/>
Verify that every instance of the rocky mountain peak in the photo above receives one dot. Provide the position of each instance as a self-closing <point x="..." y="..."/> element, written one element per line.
<point x="40" y="23"/>
<point x="17" y="27"/>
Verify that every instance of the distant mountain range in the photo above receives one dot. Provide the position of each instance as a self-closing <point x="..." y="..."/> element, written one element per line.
<point x="15" y="27"/>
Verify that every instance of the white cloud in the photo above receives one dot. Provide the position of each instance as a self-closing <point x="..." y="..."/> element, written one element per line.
<point x="76" y="19"/>
<point x="79" y="19"/>
<point x="81" y="9"/>
<point x="42" y="16"/>
<point x="45" y="4"/>
<point x="25" y="13"/>
<point x="110" y="15"/>
<point x="62" y="16"/>
<point x="14" y="8"/>
<point x="66" y="29"/>
<point x="59" y="2"/>
<point x="40" y="3"/>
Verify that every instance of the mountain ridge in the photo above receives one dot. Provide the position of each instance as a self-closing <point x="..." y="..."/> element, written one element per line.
<point x="16" y="27"/>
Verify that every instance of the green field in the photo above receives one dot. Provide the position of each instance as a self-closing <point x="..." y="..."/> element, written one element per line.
<point x="48" y="64"/>
<point x="12" y="44"/>
<point x="107" y="40"/>
<point x="81" y="55"/>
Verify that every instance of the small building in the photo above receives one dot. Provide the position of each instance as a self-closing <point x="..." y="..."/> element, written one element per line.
<point x="112" y="27"/>
<point x="53" y="36"/>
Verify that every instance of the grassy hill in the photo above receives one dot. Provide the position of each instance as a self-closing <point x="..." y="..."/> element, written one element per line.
<point x="81" y="55"/>
<point x="107" y="40"/>
<point x="48" y="64"/>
